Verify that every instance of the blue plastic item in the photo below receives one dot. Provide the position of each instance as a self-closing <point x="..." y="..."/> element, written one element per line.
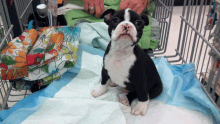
<point x="30" y="25"/>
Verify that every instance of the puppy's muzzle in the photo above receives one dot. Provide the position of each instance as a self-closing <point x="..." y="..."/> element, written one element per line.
<point x="126" y="27"/>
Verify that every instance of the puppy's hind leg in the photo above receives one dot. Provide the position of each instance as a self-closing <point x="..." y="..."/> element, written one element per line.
<point x="131" y="96"/>
<point x="112" y="84"/>
<point x="123" y="99"/>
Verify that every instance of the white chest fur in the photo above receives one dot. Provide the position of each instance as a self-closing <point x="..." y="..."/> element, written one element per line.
<point x="118" y="65"/>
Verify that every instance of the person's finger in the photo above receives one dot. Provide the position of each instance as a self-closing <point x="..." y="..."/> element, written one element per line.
<point x="146" y="2"/>
<point x="139" y="10"/>
<point x="86" y="5"/>
<point x="124" y="4"/>
<point x="102" y="6"/>
<point x="92" y="5"/>
<point x="136" y="9"/>
<point x="141" y="7"/>
<point x="98" y="10"/>
<point x="132" y="6"/>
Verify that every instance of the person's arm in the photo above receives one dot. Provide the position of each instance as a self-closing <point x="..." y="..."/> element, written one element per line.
<point x="136" y="5"/>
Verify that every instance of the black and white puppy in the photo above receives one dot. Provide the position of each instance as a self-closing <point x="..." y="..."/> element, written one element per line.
<point x="125" y="63"/>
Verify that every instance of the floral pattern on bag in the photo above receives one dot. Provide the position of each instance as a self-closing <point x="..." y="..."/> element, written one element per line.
<point x="13" y="63"/>
<point x="42" y="54"/>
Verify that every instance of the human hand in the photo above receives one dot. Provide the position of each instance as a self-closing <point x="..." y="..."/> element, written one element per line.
<point x="94" y="6"/>
<point x="136" y="5"/>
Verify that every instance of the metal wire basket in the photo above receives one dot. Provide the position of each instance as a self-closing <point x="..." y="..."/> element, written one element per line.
<point x="193" y="44"/>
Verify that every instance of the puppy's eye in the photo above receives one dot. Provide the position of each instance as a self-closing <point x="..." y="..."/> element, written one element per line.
<point x="116" y="20"/>
<point x="138" y="23"/>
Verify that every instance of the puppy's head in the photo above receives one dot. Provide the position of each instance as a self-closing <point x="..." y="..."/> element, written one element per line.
<point x="125" y="26"/>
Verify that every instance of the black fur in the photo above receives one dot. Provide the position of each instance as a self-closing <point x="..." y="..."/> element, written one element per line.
<point x="144" y="77"/>
<point x="104" y="73"/>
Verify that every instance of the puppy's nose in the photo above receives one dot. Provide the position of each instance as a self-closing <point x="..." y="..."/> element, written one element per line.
<point x="126" y="27"/>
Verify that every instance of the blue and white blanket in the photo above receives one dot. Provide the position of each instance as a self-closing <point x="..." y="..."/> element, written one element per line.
<point x="68" y="100"/>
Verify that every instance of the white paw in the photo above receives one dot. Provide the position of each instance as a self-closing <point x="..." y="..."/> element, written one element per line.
<point x="124" y="99"/>
<point x="100" y="90"/>
<point x="140" y="108"/>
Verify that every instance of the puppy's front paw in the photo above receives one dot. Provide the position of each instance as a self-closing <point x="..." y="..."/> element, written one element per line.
<point x="140" y="108"/>
<point x="98" y="91"/>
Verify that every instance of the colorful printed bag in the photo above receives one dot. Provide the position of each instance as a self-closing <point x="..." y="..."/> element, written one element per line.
<point x="40" y="55"/>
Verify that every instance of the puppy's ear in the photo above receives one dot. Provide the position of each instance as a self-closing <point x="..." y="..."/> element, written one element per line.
<point x="145" y="19"/>
<point x="107" y="15"/>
